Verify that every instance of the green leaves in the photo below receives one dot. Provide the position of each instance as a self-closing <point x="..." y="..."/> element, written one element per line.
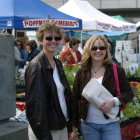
<point x="70" y="72"/>
<point x="132" y="110"/>
<point x="136" y="74"/>
<point x="20" y="81"/>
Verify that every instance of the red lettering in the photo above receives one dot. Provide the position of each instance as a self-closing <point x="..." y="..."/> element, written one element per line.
<point x="76" y="23"/>
<point x="26" y="22"/>
<point x="125" y="27"/>
<point x="63" y="23"/>
<point x="60" y="22"/>
<point x="30" y="23"/>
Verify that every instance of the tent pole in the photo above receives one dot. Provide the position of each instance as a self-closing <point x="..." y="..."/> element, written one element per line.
<point x="139" y="43"/>
<point x="14" y="32"/>
<point x="81" y="38"/>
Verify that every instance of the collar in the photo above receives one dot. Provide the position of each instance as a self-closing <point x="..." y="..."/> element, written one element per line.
<point x="44" y="61"/>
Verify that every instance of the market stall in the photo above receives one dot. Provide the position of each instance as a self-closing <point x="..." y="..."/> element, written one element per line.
<point x="30" y="14"/>
<point x="130" y="122"/>
<point x="94" y="19"/>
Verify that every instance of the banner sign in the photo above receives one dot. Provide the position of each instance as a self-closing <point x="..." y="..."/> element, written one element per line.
<point x="34" y="23"/>
<point x="110" y="28"/>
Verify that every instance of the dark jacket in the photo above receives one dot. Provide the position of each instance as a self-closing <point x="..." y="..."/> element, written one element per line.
<point x="42" y="104"/>
<point x="80" y="104"/>
<point x="32" y="54"/>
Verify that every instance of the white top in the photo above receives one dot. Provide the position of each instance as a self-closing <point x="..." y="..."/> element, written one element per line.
<point x="95" y="115"/>
<point x="60" y="91"/>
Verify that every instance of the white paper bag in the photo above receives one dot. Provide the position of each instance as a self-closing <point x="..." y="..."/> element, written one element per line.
<point x="96" y="93"/>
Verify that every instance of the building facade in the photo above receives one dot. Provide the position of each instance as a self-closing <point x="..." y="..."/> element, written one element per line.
<point x="129" y="9"/>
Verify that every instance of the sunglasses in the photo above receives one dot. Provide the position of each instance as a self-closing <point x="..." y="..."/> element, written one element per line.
<point x="18" y="44"/>
<point x="50" y="38"/>
<point x="101" y="48"/>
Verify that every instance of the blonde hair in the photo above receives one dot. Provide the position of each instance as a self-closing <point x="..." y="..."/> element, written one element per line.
<point x="50" y="28"/>
<point x="86" y="58"/>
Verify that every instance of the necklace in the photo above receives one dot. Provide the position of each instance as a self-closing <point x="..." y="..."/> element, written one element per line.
<point x="95" y="72"/>
<point x="52" y="63"/>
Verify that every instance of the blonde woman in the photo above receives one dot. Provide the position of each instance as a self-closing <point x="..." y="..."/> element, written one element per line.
<point x="97" y="63"/>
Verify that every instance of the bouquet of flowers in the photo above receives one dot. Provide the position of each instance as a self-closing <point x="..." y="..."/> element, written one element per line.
<point x="65" y="57"/>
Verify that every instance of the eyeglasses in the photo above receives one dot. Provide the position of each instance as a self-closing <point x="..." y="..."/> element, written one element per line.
<point x="50" y="38"/>
<point x="101" y="48"/>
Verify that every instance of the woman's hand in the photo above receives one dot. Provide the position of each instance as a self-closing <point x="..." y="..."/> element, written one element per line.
<point x="107" y="106"/>
<point x="73" y="135"/>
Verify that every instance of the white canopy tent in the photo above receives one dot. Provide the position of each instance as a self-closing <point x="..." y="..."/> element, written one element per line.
<point x="93" y="19"/>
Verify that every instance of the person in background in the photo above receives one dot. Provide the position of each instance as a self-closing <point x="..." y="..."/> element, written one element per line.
<point x="65" y="42"/>
<point x="71" y="55"/>
<point x="31" y="48"/>
<point x="35" y="44"/>
<point x="110" y="44"/>
<point x="48" y="95"/>
<point x="97" y="63"/>
<point x="23" y="55"/>
<point x="17" y="58"/>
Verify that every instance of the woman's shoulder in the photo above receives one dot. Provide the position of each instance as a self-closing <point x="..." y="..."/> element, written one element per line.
<point x="35" y="62"/>
<point x="78" y="52"/>
<point x="120" y="69"/>
<point x="67" y="51"/>
<point x="58" y="61"/>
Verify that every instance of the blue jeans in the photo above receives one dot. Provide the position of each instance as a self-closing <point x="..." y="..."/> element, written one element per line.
<point x="91" y="131"/>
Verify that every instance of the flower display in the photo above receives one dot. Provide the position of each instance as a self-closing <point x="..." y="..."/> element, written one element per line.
<point x="65" y="57"/>
<point x="70" y="71"/>
<point x="135" y="86"/>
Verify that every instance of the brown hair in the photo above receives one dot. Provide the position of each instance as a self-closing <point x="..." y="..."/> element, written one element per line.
<point x="32" y="44"/>
<point x="66" y="38"/>
<point x="20" y="41"/>
<point x="50" y="28"/>
<point x="73" y="42"/>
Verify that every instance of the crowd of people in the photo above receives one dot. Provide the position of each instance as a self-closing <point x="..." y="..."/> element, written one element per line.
<point x="54" y="110"/>
<point x="25" y="52"/>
